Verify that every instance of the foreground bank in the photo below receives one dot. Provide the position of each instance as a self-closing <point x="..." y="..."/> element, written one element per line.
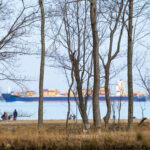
<point x="24" y="135"/>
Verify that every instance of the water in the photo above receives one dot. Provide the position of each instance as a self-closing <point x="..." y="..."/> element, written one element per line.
<point x="58" y="110"/>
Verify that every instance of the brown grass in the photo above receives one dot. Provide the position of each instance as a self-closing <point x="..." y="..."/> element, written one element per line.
<point x="24" y="135"/>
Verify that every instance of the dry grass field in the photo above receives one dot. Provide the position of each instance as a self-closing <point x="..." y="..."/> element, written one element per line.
<point x="24" y="135"/>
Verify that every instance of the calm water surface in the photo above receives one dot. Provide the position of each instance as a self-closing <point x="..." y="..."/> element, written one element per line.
<point x="58" y="110"/>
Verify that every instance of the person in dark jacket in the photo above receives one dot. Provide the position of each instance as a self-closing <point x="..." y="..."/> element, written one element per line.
<point x="4" y="116"/>
<point x="15" y="114"/>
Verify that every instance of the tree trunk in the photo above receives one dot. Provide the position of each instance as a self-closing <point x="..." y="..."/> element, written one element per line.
<point x="119" y="111"/>
<point x="96" y="88"/>
<point x="69" y="90"/>
<point x="107" y="117"/>
<point x="75" y="60"/>
<point x="82" y="106"/>
<point x="129" y="59"/>
<point x="41" y="79"/>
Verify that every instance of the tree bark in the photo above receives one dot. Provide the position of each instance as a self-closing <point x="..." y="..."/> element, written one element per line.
<point x="107" y="117"/>
<point x="129" y="59"/>
<point x="41" y="79"/>
<point x="119" y="111"/>
<point x="96" y="88"/>
<point x="80" y="95"/>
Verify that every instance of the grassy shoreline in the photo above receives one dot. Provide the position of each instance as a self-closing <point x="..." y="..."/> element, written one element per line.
<point x="24" y="135"/>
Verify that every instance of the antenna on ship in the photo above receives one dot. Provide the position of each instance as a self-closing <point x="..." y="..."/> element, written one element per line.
<point x="9" y="89"/>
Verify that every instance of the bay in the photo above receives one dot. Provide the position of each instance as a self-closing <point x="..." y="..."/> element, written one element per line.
<point x="58" y="110"/>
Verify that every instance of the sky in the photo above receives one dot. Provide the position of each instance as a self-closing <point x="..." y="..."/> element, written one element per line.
<point x="29" y="66"/>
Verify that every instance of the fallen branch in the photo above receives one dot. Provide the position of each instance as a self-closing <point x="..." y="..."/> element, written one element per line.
<point x="141" y="122"/>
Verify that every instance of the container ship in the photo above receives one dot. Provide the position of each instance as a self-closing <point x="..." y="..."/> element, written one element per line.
<point x="53" y="95"/>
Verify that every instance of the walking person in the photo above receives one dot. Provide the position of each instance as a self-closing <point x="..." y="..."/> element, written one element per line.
<point x="4" y="116"/>
<point x="15" y="114"/>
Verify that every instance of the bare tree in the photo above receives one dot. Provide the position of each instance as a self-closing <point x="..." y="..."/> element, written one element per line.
<point x="143" y="72"/>
<point x="69" y="91"/>
<point x="129" y="60"/>
<point x="143" y="79"/>
<point x="142" y="109"/>
<point x="136" y="30"/>
<point x="96" y="87"/>
<point x="116" y="16"/>
<point x="41" y="79"/>
<point x="121" y="89"/>
<point x="15" y="27"/>
<point x="74" y="40"/>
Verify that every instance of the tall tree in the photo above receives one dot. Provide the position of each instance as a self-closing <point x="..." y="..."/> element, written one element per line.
<point x="77" y="51"/>
<point x="41" y="79"/>
<point x="129" y="60"/>
<point x="76" y="56"/>
<point x="96" y="87"/>
<point x="116" y="23"/>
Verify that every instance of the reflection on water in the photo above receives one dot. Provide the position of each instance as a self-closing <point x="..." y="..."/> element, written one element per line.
<point x="58" y="110"/>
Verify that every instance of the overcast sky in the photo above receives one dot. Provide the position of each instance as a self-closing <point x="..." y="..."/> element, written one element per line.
<point x="29" y="66"/>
